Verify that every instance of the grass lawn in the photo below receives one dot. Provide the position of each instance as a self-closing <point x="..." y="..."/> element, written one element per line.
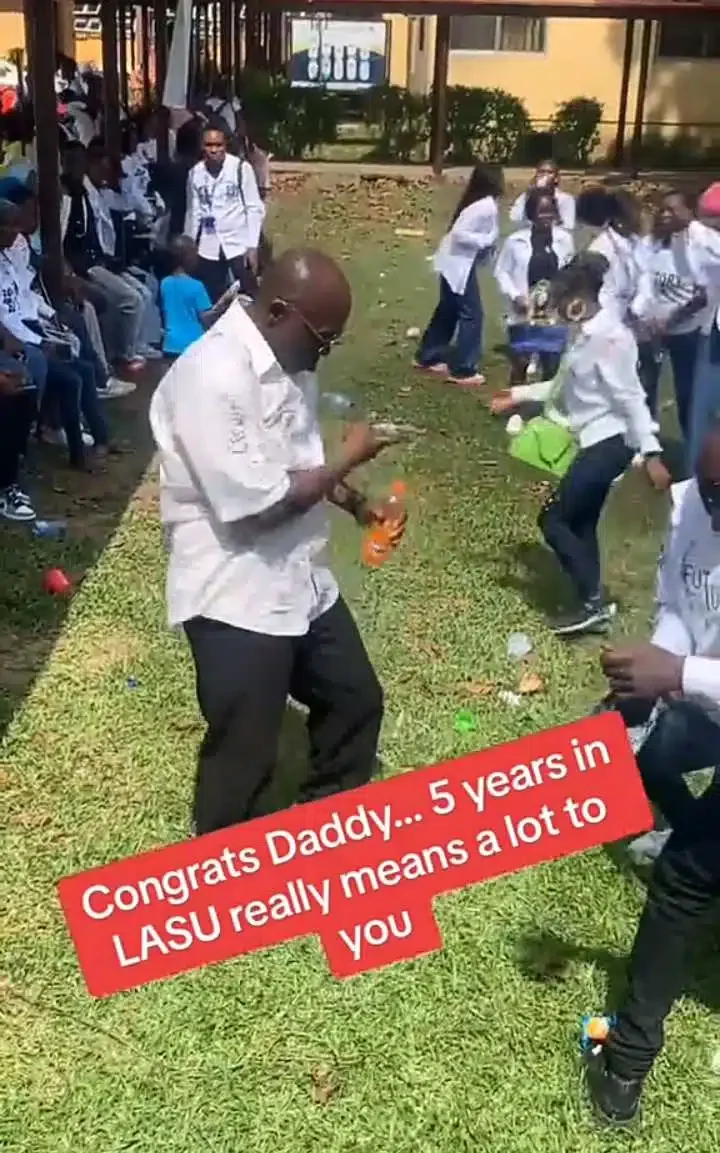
<point x="472" y="1049"/>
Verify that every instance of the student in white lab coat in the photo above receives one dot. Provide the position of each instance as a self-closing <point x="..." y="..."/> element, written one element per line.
<point x="675" y="298"/>
<point x="547" y="176"/>
<point x="244" y="490"/>
<point x="529" y="260"/>
<point x="606" y="408"/>
<point x="681" y="668"/>
<point x="451" y="345"/>
<point x="619" y="217"/>
<point x="225" y="214"/>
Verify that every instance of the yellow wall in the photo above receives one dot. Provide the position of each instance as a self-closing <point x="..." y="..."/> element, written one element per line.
<point x="581" y="58"/>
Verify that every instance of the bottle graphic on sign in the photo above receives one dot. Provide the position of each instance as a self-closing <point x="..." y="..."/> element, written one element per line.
<point x="338" y="62"/>
<point x="351" y="66"/>
<point x="313" y="66"/>
<point x="364" y="69"/>
<point x="326" y="63"/>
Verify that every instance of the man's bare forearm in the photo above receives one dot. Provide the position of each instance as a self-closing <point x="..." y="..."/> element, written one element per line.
<point x="307" y="488"/>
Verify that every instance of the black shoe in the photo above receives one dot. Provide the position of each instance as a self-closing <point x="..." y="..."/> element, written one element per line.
<point x="616" y="1102"/>
<point x="594" y="617"/>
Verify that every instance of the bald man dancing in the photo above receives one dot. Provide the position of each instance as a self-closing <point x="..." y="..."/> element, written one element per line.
<point x="244" y="488"/>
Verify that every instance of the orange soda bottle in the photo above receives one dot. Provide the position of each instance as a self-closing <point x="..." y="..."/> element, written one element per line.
<point x="377" y="541"/>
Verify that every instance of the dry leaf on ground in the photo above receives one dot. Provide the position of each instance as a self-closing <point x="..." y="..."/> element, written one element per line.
<point x="324" y="1084"/>
<point x="531" y="683"/>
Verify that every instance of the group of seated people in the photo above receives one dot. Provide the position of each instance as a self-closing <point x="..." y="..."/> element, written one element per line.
<point x="154" y="251"/>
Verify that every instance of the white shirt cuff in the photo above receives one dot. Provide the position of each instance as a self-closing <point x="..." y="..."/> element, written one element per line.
<point x="701" y="678"/>
<point x="671" y="635"/>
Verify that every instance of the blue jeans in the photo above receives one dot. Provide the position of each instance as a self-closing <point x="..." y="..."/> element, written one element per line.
<point x="71" y="391"/>
<point x="569" y="519"/>
<point x="684" y="740"/>
<point x="459" y="317"/>
<point x="705" y="400"/>
<point x="684" y="351"/>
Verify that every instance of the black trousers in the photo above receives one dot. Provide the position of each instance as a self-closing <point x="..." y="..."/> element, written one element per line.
<point x="683" y="889"/>
<point x="243" y="682"/>
<point x="215" y="275"/>
<point x="684" y="739"/>
<point x="569" y="520"/>
<point x="17" y="415"/>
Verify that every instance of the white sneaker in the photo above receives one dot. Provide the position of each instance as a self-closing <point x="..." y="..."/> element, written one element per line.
<point x="15" y="505"/>
<point x="115" y="388"/>
<point x="151" y="353"/>
<point x="58" y="436"/>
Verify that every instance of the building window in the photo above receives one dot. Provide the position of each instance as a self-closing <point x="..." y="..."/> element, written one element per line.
<point x="497" y="34"/>
<point x="689" y="40"/>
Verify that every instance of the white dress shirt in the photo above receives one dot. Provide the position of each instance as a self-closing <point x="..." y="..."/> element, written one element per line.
<point x="225" y="213"/>
<point x="671" y="273"/>
<point x="564" y="201"/>
<point x="688" y="596"/>
<point x="601" y="392"/>
<point x="511" y="266"/>
<point x="472" y="237"/>
<point x="230" y="425"/>
<point x="624" y="255"/>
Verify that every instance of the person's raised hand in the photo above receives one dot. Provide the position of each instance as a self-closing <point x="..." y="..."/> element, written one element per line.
<point x="501" y="402"/>
<point x="363" y="443"/>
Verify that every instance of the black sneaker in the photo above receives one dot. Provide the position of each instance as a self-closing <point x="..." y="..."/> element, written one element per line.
<point x="594" y="617"/>
<point x="615" y="1102"/>
<point x="15" y="504"/>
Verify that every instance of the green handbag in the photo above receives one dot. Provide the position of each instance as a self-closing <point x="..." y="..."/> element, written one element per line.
<point x="543" y="442"/>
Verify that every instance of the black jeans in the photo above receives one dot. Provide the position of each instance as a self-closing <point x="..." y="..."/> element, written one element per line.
<point x="17" y="415"/>
<point x="683" y="889"/>
<point x="243" y="682"/>
<point x="215" y="275"/>
<point x="683" y="740"/>
<point x="683" y="349"/>
<point x="569" y="520"/>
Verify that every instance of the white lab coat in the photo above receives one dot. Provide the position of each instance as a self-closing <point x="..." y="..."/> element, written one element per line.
<point x="471" y="238"/>
<point x="224" y="213"/>
<point x="601" y="392"/>
<point x="511" y="266"/>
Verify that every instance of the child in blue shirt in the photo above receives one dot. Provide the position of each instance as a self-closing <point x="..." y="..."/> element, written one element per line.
<point x="186" y="307"/>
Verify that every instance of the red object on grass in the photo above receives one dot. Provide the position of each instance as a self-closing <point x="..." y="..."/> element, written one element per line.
<point x="57" y="583"/>
<point x="709" y="204"/>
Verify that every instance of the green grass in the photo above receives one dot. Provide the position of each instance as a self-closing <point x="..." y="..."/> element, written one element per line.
<point x="471" y="1049"/>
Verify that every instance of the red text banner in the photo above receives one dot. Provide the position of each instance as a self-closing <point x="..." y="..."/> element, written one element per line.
<point x="360" y="869"/>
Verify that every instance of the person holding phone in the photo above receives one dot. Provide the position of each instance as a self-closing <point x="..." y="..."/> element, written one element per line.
<point x="244" y="490"/>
